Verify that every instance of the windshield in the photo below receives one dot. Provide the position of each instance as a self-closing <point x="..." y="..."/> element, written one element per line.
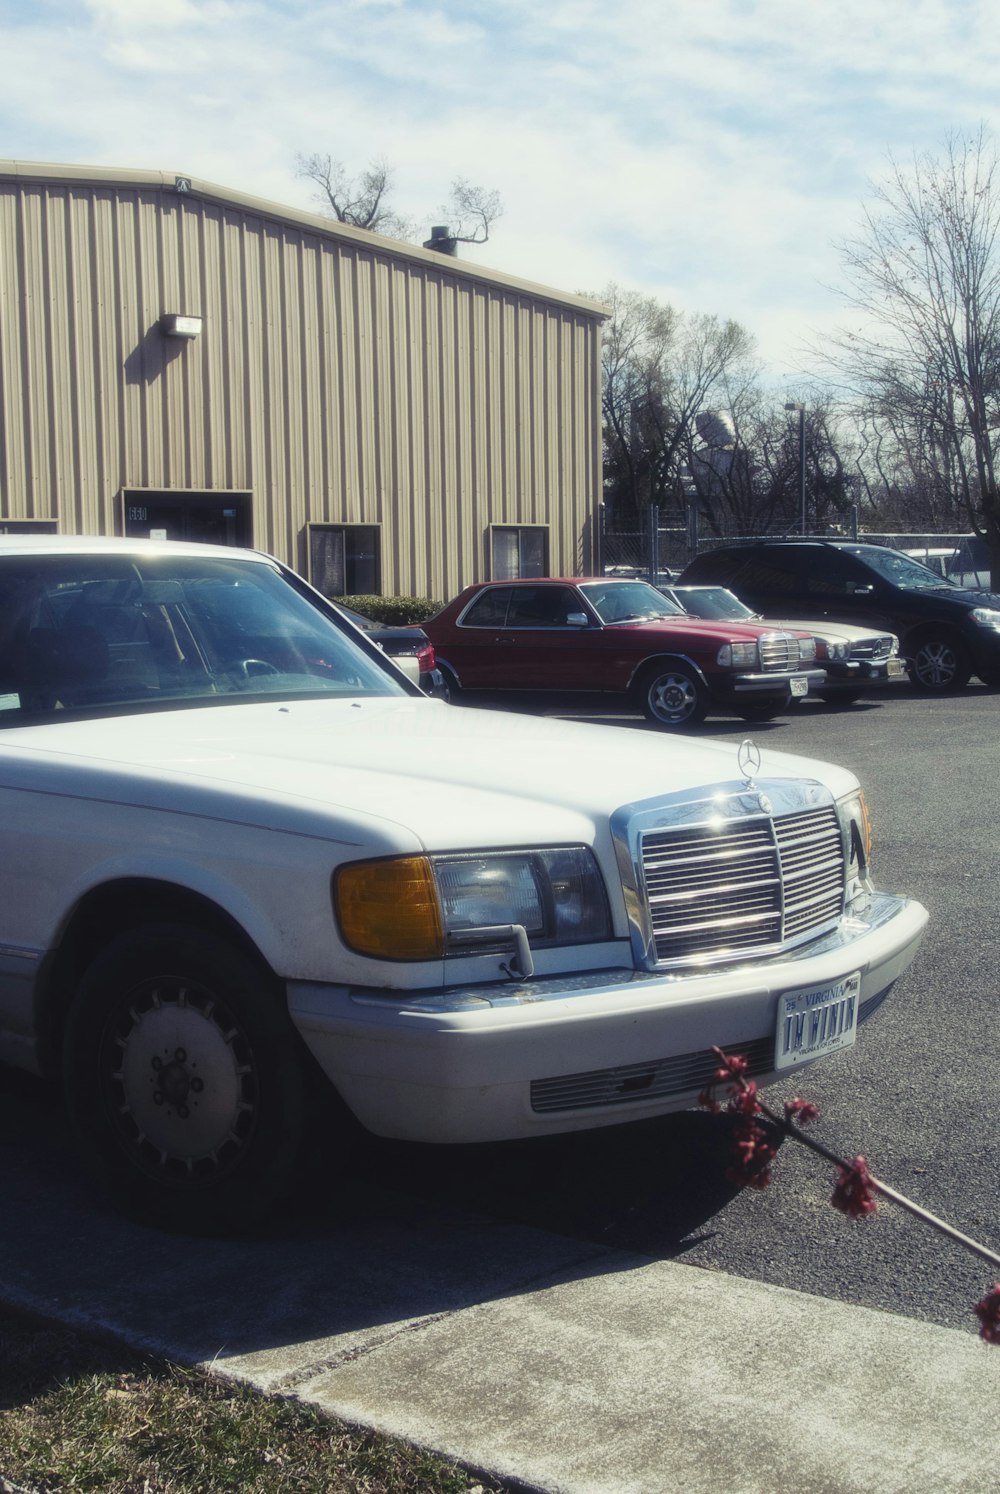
<point x="97" y="633"/>
<point x="901" y="569"/>
<point x="628" y="601"/>
<point x="714" y="602"/>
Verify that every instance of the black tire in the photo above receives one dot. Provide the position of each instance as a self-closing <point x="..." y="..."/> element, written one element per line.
<point x="451" y="683"/>
<point x="840" y="697"/>
<point x="939" y="663"/>
<point x="673" y="696"/>
<point x="763" y="710"/>
<point x="185" y="1080"/>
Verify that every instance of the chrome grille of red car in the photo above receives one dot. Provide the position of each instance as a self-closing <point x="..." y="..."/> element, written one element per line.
<point x="779" y="651"/>
<point x="745" y="884"/>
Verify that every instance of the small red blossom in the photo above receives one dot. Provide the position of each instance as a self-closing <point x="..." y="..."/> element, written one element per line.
<point x="854" y="1194"/>
<point x="734" y="1065"/>
<point x="755" y="1149"/>
<point x="733" y="1071"/>
<point x="754" y="1155"/>
<point x="745" y="1101"/>
<point x="988" y="1313"/>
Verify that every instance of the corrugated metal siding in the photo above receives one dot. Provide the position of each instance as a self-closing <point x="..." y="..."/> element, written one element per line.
<point x="337" y="382"/>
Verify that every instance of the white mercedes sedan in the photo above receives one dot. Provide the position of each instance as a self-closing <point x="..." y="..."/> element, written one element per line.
<point x="241" y="855"/>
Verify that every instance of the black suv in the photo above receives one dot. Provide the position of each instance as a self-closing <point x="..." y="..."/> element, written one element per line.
<point x="946" y="632"/>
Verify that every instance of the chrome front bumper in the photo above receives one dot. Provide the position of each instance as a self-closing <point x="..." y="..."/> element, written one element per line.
<point x="463" y="1064"/>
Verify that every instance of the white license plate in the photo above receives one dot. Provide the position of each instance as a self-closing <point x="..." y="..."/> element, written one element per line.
<point x="816" y="1020"/>
<point x="800" y="687"/>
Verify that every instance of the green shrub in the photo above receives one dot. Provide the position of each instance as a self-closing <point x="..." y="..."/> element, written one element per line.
<point x="394" y="611"/>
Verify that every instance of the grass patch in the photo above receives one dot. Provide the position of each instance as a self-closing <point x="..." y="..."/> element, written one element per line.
<point x="79" y="1414"/>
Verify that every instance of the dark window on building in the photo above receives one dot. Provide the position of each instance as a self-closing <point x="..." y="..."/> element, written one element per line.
<point x="209" y="518"/>
<point x="518" y="551"/>
<point x="345" y="559"/>
<point x="29" y="526"/>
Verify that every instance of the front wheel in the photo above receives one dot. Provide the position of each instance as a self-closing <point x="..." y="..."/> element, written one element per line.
<point x="184" y="1079"/>
<point x="673" y="696"/>
<point x="452" y="687"/>
<point x="840" y="698"/>
<point x="939" y="664"/>
<point x="763" y="710"/>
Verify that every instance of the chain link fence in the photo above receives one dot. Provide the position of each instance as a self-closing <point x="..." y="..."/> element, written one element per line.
<point x="662" y="552"/>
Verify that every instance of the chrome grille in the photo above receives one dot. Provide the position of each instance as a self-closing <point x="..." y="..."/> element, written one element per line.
<point x="779" y="651"/>
<point x="720" y="889"/>
<point x="685" y="1073"/>
<point x="876" y="648"/>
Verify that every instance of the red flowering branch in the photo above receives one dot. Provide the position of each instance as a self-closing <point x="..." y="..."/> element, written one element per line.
<point x="856" y="1188"/>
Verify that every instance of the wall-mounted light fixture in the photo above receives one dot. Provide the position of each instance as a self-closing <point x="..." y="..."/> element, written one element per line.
<point x="175" y="325"/>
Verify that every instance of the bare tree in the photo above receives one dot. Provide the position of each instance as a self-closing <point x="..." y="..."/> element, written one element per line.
<point x="660" y="368"/>
<point x="925" y="272"/>
<point x="358" y="200"/>
<point x="749" y="484"/>
<point x="363" y="201"/>
<point x="471" y="212"/>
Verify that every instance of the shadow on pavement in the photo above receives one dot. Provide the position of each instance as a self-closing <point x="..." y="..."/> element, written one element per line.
<point x="399" y="1234"/>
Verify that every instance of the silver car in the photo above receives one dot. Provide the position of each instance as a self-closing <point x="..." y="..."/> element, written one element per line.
<point x="855" y="658"/>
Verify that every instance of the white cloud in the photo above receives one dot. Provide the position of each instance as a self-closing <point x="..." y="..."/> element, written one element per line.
<point x="707" y="153"/>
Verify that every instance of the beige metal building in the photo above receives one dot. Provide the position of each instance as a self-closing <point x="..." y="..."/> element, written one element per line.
<point x="179" y="359"/>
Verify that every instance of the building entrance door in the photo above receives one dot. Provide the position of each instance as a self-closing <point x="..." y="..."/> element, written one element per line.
<point x="211" y="518"/>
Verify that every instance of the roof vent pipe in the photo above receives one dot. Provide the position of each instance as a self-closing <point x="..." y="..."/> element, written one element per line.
<point x="441" y="240"/>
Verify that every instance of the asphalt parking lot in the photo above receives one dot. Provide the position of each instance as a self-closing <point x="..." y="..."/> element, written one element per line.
<point x="919" y="1094"/>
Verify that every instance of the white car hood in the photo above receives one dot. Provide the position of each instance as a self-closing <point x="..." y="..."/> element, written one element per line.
<point x="448" y="776"/>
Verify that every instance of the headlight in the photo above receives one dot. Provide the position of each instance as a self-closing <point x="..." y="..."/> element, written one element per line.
<point x="986" y="617"/>
<point x="807" y="650"/>
<point x="737" y="656"/>
<point x="857" y="830"/>
<point x="837" y="651"/>
<point x="425" y="907"/>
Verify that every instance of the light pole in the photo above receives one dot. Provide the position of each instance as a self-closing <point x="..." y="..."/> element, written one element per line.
<point x="802" y="464"/>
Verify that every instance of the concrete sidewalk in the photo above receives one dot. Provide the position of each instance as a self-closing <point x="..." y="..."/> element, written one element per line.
<point x="564" y="1365"/>
<point x="626" y="1376"/>
<point x="569" y="1368"/>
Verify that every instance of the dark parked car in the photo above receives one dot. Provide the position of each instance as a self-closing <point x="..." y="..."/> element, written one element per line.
<point x="946" y="632"/>
<point x="855" y="658"/>
<point x="409" y="648"/>
<point x="621" y="639"/>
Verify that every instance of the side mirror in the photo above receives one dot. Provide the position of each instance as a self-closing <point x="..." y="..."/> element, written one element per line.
<point x="577" y="620"/>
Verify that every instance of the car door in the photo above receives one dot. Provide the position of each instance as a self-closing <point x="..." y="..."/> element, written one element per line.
<point x="545" y="651"/>
<point x="477" y="645"/>
<point x="842" y="588"/>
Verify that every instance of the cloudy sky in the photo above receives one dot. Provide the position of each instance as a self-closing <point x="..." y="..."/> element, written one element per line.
<point x="709" y="152"/>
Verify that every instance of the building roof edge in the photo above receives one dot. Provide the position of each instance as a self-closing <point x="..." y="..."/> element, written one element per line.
<point x="194" y="187"/>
